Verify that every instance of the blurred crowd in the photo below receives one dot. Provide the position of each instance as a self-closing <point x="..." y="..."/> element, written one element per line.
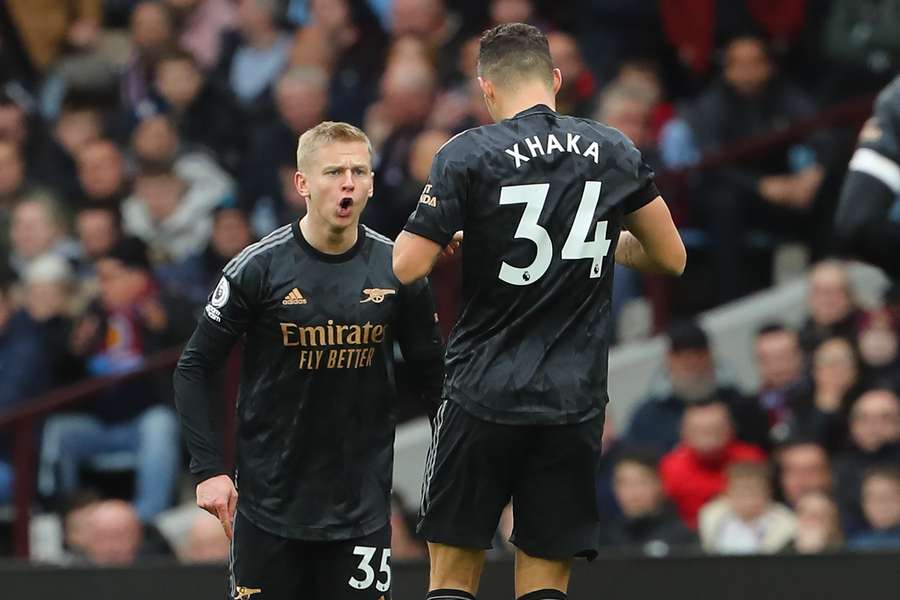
<point x="809" y="462"/>
<point x="144" y="143"/>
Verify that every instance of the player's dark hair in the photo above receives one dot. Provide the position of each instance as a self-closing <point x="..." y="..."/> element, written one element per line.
<point x="512" y="52"/>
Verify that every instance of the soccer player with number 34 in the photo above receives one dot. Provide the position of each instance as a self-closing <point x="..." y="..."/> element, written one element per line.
<point x="545" y="202"/>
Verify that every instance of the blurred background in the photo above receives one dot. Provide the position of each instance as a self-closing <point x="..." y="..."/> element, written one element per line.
<point x="754" y="402"/>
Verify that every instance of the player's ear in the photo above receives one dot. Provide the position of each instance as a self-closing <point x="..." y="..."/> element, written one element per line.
<point x="557" y="80"/>
<point x="487" y="88"/>
<point x="301" y="183"/>
<point x="372" y="187"/>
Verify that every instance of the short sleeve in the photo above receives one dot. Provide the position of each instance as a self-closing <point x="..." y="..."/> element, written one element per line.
<point x="646" y="189"/>
<point x="441" y="209"/>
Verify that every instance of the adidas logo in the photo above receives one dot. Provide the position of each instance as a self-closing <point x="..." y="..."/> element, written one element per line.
<point x="294" y="297"/>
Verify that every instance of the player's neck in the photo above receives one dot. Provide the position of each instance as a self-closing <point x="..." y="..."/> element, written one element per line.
<point x="327" y="240"/>
<point x="523" y="100"/>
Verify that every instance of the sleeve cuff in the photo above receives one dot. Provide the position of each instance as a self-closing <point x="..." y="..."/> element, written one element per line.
<point x="439" y="238"/>
<point x="201" y="475"/>
<point x="641" y="198"/>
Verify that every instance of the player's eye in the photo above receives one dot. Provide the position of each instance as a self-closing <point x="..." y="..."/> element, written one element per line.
<point x="360" y="171"/>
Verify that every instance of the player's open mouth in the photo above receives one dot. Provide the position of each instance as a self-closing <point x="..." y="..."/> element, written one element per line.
<point x="345" y="206"/>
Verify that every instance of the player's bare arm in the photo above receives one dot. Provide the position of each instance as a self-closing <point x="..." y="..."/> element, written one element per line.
<point x="651" y="242"/>
<point x="414" y="255"/>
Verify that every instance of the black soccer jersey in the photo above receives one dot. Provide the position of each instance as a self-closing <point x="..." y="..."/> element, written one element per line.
<point x="541" y="199"/>
<point x="315" y="426"/>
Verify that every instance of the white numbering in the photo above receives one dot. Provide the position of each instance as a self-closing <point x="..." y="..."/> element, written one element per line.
<point x="383" y="586"/>
<point x="365" y="565"/>
<point x="577" y="245"/>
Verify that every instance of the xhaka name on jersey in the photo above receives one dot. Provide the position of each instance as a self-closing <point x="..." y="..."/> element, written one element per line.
<point x="315" y="344"/>
<point x="544" y="145"/>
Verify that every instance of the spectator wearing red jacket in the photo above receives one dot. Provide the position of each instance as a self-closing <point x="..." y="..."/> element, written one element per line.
<point x="694" y="472"/>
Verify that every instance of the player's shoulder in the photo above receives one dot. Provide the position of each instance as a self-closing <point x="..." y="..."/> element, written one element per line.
<point x="464" y="146"/>
<point x="382" y="242"/>
<point x="607" y="133"/>
<point x="272" y="243"/>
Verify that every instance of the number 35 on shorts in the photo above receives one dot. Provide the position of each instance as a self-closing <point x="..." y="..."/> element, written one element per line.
<point x="366" y="569"/>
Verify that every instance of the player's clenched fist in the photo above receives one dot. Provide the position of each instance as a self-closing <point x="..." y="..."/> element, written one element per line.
<point x="218" y="496"/>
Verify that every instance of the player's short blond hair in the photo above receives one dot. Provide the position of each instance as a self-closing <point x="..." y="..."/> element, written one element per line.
<point x="327" y="132"/>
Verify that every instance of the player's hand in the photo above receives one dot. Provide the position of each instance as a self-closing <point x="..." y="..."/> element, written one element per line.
<point x="451" y="248"/>
<point x="218" y="496"/>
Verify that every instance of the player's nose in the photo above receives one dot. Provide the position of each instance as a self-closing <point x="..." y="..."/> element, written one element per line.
<point x="347" y="181"/>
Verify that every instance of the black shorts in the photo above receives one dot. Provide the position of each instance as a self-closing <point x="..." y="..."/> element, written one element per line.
<point x="475" y="467"/>
<point x="264" y="566"/>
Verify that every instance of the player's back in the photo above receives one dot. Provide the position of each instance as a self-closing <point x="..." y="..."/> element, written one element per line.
<point x="542" y="198"/>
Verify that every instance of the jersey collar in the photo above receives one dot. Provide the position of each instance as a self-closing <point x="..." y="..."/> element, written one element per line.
<point x="319" y="255"/>
<point x="537" y="108"/>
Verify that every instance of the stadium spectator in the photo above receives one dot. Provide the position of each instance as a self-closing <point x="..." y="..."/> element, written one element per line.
<point x="193" y="277"/>
<point x="387" y="213"/>
<point x="253" y="55"/>
<point x="877" y="343"/>
<point x="780" y="368"/>
<point x="38" y="227"/>
<point x="818" y="525"/>
<point x="79" y="122"/>
<point x="22" y="369"/>
<point x="117" y="538"/>
<point x="77" y="524"/>
<point x="352" y="46"/>
<point x="102" y="172"/>
<point x="819" y="413"/>
<point x="803" y="468"/>
<point x="407" y="98"/>
<point x="205" y="542"/>
<point x="773" y="192"/>
<point x="832" y="307"/>
<point x="46" y="28"/>
<point x="99" y="227"/>
<point x="694" y="472"/>
<point x="12" y="174"/>
<point x="13" y="188"/>
<point x="745" y="519"/>
<point x="49" y="297"/>
<point x="204" y="112"/>
<point x="431" y="21"/>
<point x="301" y="101"/>
<point x="200" y="25"/>
<point x="881" y="507"/>
<point x="130" y="320"/>
<point x="875" y="440"/>
<point x="174" y="193"/>
<point x="691" y="378"/>
<point x="151" y="34"/>
<point x="648" y="523"/>
<point x="576" y="96"/>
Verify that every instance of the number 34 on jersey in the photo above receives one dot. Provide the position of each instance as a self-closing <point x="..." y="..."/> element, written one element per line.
<point x="576" y="247"/>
